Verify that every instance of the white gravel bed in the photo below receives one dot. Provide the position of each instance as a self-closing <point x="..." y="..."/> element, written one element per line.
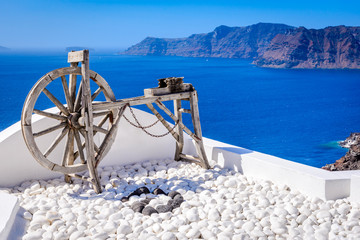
<point x="219" y="204"/>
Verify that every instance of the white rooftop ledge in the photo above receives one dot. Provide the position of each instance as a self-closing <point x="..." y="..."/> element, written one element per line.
<point x="8" y="209"/>
<point x="133" y="145"/>
<point x="314" y="182"/>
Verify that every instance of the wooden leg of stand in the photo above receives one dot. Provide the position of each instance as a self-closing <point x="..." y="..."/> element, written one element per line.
<point x="178" y="129"/>
<point x="70" y="153"/>
<point x="197" y="129"/>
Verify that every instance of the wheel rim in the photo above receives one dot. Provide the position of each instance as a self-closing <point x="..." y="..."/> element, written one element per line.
<point x="64" y="128"/>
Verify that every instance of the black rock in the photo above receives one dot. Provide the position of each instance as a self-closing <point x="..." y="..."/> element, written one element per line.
<point x="125" y="199"/>
<point x="149" y="210"/>
<point x="158" y="191"/>
<point x="146" y="201"/>
<point x="172" y="194"/>
<point x="170" y="202"/>
<point x="138" y="206"/>
<point x="178" y="199"/>
<point x="164" y="208"/>
<point x="139" y="191"/>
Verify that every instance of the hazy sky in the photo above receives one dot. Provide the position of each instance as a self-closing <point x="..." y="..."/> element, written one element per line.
<point x="120" y="24"/>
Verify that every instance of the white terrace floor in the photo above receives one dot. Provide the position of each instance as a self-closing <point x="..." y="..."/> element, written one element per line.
<point x="247" y="195"/>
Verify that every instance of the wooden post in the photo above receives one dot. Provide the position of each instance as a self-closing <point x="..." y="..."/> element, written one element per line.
<point x="178" y="130"/>
<point x="88" y="115"/>
<point x="197" y="129"/>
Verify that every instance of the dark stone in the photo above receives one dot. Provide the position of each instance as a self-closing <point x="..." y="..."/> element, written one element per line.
<point x="158" y="191"/>
<point x="125" y="199"/>
<point x="149" y="210"/>
<point x="178" y="199"/>
<point x="170" y="202"/>
<point x="138" y="206"/>
<point x="172" y="194"/>
<point x="146" y="201"/>
<point x="139" y="191"/>
<point x="164" y="208"/>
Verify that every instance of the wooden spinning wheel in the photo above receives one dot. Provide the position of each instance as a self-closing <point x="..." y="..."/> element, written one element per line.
<point x="74" y="124"/>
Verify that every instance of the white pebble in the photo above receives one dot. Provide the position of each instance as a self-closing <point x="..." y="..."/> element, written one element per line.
<point x="124" y="229"/>
<point x="192" y="215"/>
<point x="27" y="215"/>
<point x="323" y="214"/>
<point x="168" y="236"/>
<point x="32" y="236"/>
<point x="214" y="214"/>
<point x="248" y="226"/>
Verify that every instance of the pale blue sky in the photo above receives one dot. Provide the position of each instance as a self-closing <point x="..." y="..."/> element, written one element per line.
<point x="120" y="24"/>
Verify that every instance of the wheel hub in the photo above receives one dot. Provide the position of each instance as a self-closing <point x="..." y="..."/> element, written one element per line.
<point x="73" y="120"/>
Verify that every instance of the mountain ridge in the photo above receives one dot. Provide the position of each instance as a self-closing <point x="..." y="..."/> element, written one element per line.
<point x="269" y="44"/>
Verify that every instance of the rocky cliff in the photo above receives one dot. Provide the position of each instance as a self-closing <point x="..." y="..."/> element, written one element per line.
<point x="332" y="47"/>
<point x="226" y="42"/>
<point x="270" y="45"/>
<point x="351" y="160"/>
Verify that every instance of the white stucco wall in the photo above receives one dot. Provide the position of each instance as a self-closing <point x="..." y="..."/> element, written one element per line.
<point x="314" y="182"/>
<point x="133" y="145"/>
<point x="9" y="206"/>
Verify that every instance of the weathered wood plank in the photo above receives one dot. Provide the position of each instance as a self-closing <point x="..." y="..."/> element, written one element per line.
<point x="169" y="113"/>
<point x="50" y="129"/>
<point x="99" y="129"/>
<point x="69" y="153"/>
<point x="197" y="129"/>
<point x="56" y="141"/>
<point x="66" y="93"/>
<point x="138" y="101"/>
<point x="185" y="110"/>
<point x="50" y="115"/>
<point x="80" y="148"/>
<point x="72" y="86"/>
<point x="78" y="56"/>
<point x="163" y="121"/>
<point x="78" y="98"/>
<point x="109" y="138"/>
<point x="178" y="129"/>
<point x="96" y="93"/>
<point x="88" y="114"/>
<point x="58" y="104"/>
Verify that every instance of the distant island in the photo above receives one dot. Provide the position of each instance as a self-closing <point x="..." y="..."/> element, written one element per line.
<point x="4" y="48"/>
<point x="268" y="44"/>
<point x="69" y="49"/>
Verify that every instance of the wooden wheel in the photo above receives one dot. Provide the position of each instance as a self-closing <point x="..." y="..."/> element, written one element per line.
<point x="65" y="122"/>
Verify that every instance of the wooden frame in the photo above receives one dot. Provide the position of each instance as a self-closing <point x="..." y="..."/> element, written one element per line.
<point x="76" y="119"/>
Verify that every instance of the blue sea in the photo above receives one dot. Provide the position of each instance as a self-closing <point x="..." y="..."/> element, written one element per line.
<point x="299" y="115"/>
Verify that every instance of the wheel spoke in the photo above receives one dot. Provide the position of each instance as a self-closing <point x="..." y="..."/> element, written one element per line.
<point x="99" y="114"/>
<point x="49" y="130"/>
<point x="78" y="98"/>
<point x="83" y="133"/>
<point x="68" y="149"/>
<point x="80" y="148"/>
<point x="56" y="102"/>
<point x="99" y="129"/>
<point x="50" y="115"/>
<point x="96" y="93"/>
<point x="101" y="123"/>
<point x="72" y="86"/>
<point x="56" y="141"/>
<point x="66" y="92"/>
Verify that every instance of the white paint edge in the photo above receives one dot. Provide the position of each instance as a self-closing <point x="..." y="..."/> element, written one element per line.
<point x="9" y="206"/>
<point x="314" y="182"/>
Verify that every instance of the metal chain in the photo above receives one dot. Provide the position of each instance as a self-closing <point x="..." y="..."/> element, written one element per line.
<point x="144" y="128"/>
